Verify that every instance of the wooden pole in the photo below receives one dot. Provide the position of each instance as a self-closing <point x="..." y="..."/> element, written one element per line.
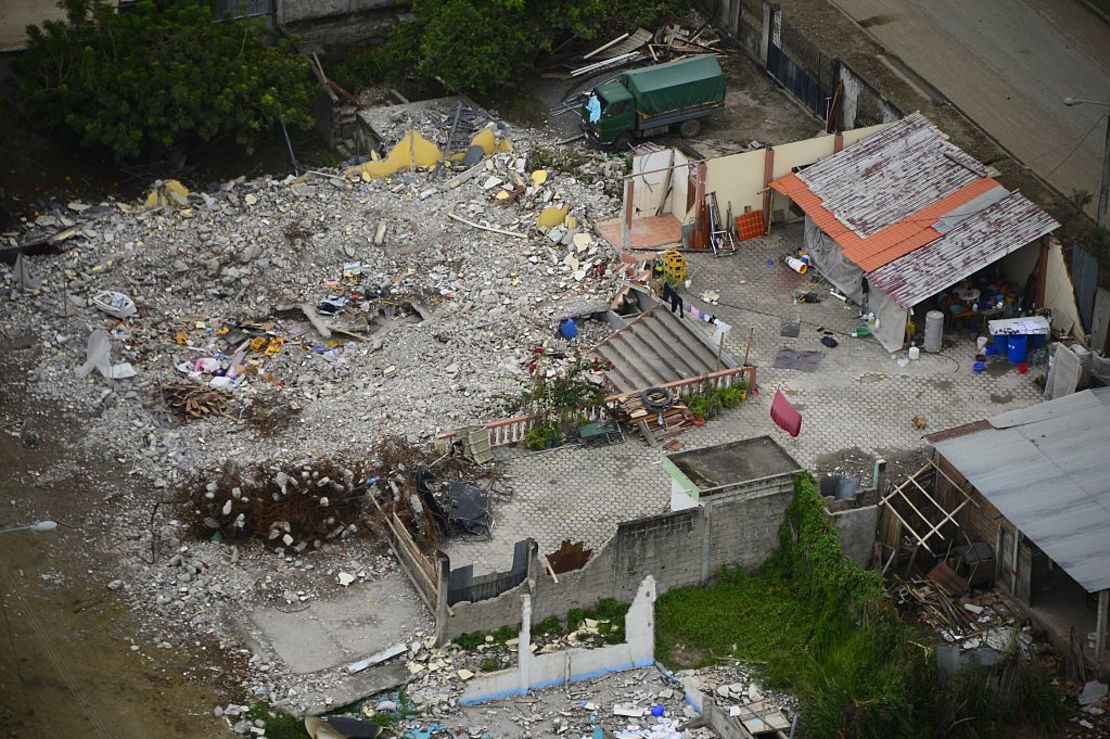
<point x="720" y="348"/>
<point x="748" y="348"/>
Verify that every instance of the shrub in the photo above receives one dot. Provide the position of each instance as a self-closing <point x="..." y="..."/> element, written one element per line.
<point x="159" y="76"/>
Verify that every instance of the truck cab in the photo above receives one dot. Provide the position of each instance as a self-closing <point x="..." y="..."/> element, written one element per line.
<point x="617" y="120"/>
<point x="652" y="100"/>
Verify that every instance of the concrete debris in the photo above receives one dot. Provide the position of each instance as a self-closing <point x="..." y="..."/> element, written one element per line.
<point x="1093" y="692"/>
<point x="322" y="311"/>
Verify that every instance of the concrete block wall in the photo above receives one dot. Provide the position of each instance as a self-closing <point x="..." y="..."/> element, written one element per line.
<point x="735" y="527"/>
<point x="538" y="671"/>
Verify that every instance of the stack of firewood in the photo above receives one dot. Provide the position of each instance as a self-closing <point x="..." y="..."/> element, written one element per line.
<point x="635" y="416"/>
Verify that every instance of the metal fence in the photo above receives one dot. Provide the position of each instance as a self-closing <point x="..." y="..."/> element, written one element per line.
<point x="463" y="585"/>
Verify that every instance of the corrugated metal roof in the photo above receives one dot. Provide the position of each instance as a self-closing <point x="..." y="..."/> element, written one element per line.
<point x="657" y="347"/>
<point x="892" y="175"/>
<point x="980" y="239"/>
<point x="893" y="241"/>
<point x="1045" y="469"/>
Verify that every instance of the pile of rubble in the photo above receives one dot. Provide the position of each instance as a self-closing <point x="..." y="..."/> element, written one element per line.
<point x="282" y="318"/>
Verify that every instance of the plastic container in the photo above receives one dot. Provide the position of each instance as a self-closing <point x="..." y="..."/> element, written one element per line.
<point x="981" y="342"/>
<point x="568" y="329"/>
<point x="914" y="353"/>
<point x="934" y="331"/>
<point x="1017" y="349"/>
<point x="979" y="366"/>
<point x="1001" y="343"/>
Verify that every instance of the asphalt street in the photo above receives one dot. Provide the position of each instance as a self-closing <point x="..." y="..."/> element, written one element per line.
<point x="1008" y="64"/>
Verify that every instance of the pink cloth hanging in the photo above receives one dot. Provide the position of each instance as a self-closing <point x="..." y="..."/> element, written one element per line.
<point x="785" y="415"/>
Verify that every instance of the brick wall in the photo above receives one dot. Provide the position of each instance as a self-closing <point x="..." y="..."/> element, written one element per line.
<point x="735" y="527"/>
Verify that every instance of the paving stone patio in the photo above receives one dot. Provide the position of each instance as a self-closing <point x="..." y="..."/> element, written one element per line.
<point x="857" y="398"/>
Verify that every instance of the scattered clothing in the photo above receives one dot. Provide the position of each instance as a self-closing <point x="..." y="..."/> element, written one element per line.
<point x="830" y="342"/>
<point x="798" y="359"/>
<point x="785" y="415"/>
<point x="790" y="329"/>
<point x="671" y="295"/>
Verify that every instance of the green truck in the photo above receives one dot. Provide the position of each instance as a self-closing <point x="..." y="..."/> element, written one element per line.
<point x="649" y="101"/>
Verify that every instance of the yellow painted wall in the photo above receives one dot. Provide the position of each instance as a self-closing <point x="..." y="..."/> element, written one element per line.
<point x="1059" y="295"/>
<point x="681" y="188"/>
<point x="802" y="153"/>
<point x="737" y="179"/>
<point x="650" y="182"/>
<point x="851" y="137"/>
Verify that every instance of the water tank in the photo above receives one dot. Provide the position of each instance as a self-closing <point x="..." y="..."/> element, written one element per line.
<point x="934" y="331"/>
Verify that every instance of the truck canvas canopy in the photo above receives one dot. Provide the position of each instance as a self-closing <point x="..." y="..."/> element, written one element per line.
<point x="676" y="85"/>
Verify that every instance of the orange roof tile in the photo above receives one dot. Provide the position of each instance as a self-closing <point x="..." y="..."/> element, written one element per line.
<point x="894" y="240"/>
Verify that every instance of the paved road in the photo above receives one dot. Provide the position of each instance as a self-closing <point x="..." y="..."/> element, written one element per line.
<point x="16" y="15"/>
<point x="1008" y="64"/>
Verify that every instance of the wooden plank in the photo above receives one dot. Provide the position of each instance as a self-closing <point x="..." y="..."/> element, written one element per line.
<point x="648" y="436"/>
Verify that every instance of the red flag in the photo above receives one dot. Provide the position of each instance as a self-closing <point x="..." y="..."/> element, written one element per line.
<point x="785" y="415"/>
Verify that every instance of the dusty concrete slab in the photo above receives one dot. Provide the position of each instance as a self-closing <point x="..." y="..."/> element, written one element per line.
<point x="332" y="632"/>
<point x="354" y="688"/>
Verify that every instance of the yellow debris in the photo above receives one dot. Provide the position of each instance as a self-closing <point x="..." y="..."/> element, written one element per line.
<point x="505" y="145"/>
<point x="413" y="150"/>
<point x="503" y="195"/>
<point x="275" y="345"/>
<point x="539" y="177"/>
<point x="168" y="193"/>
<point x="485" y="139"/>
<point x="571" y="222"/>
<point x="257" y="343"/>
<point x="552" y="216"/>
<point x="181" y="338"/>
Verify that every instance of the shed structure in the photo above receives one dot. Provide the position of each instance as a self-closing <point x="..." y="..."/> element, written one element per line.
<point x="1039" y="480"/>
<point x="901" y="215"/>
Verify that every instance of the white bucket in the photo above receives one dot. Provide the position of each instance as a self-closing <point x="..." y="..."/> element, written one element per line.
<point x="914" y="352"/>
<point x="797" y="265"/>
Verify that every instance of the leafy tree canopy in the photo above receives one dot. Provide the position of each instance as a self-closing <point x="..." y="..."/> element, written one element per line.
<point x="482" y="45"/>
<point x="160" y="76"/>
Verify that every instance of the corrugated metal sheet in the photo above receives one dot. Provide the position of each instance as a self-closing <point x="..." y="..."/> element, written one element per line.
<point x="657" y="347"/>
<point x="1045" y="469"/>
<point x="893" y="241"/>
<point x="892" y="175"/>
<point x="981" y="239"/>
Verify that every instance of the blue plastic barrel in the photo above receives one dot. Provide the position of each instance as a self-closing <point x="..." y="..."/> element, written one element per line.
<point x="1001" y="344"/>
<point x="1018" y="347"/>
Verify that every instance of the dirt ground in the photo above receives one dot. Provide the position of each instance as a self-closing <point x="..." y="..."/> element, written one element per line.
<point x="70" y="665"/>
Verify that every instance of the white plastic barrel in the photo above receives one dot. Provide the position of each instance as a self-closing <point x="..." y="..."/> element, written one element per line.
<point x="934" y="331"/>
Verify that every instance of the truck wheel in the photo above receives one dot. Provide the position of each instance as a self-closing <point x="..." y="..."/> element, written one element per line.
<point x="621" y="142"/>
<point x="689" y="129"/>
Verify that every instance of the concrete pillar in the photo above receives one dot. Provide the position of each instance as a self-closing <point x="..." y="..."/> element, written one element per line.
<point x="626" y="214"/>
<point x="1101" y="625"/>
<point x="524" y="648"/>
<point x="768" y="175"/>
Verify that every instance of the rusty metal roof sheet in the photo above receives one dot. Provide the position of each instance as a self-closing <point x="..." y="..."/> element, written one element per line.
<point x="981" y="238"/>
<point x="892" y="175"/>
<point x="658" y="347"/>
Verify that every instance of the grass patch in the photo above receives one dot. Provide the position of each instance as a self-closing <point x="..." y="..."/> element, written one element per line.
<point x="815" y="623"/>
<point x="278" y="725"/>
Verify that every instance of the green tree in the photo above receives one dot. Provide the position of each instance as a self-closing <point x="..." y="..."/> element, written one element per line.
<point x="159" y="77"/>
<point x="481" y="45"/>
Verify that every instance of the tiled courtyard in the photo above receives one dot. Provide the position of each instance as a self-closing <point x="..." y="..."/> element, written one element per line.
<point x="857" y="398"/>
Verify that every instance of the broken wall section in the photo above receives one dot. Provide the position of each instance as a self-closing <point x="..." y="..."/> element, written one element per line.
<point x="734" y="528"/>
<point x="538" y="671"/>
